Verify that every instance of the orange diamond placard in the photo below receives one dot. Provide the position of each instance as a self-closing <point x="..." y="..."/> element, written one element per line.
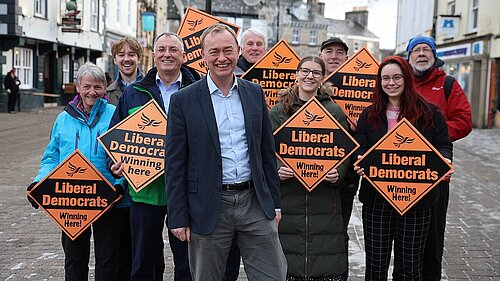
<point x="354" y="84"/>
<point x="312" y="142"/>
<point x="274" y="71"/>
<point x="138" y="141"/>
<point x="190" y="30"/>
<point x="74" y="195"/>
<point x="403" y="166"/>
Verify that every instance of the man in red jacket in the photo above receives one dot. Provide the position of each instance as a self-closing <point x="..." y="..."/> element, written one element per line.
<point x="430" y="82"/>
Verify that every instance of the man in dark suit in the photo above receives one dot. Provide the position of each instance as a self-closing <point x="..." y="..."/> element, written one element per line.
<point x="221" y="177"/>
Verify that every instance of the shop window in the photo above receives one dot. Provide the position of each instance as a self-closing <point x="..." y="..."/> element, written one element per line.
<point x="23" y="63"/>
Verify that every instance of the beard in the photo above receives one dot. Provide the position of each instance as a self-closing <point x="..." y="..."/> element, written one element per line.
<point x="423" y="67"/>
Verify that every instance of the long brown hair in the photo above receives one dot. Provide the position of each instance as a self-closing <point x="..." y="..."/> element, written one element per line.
<point x="290" y="95"/>
<point x="412" y="105"/>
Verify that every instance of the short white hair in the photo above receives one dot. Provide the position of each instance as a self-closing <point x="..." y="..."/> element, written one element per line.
<point x="253" y="31"/>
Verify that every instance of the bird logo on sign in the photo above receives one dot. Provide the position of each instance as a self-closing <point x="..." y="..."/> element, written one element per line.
<point x="75" y="170"/>
<point x="280" y="59"/>
<point x="146" y="122"/>
<point x="402" y="140"/>
<point x="194" y="23"/>
<point x="361" y="64"/>
<point x="311" y="117"/>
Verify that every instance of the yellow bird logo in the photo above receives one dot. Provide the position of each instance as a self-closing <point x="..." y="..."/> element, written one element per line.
<point x="361" y="64"/>
<point x="146" y="122"/>
<point x="402" y="140"/>
<point x="194" y="23"/>
<point x="75" y="170"/>
<point x="311" y="117"/>
<point x="280" y="59"/>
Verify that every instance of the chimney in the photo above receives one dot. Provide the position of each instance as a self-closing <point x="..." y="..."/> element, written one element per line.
<point x="358" y="15"/>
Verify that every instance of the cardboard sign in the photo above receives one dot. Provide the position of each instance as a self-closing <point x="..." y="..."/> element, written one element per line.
<point x="354" y="84"/>
<point x="138" y="141"/>
<point x="403" y="166"/>
<point x="312" y="142"/>
<point x="192" y="26"/>
<point x="74" y="195"/>
<point x="275" y="71"/>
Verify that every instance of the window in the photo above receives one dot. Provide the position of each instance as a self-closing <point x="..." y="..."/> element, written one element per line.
<point x="313" y="36"/>
<point x="118" y="10"/>
<point x="356" y="46"/>
<point x="65" y="69"/>
<point x="94" y="15"/>
<point x="296" y="36"/>
<point x="23" y="63"/>
<point x="451" y="8"/>
<point x="474" y="15"/>
<point x="41" y="8"/>
<point x="129" y="14"/>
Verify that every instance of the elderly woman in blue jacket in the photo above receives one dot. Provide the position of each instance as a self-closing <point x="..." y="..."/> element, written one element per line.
<point x="80" y="124"/>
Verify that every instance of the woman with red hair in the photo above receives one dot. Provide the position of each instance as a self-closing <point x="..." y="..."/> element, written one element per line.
<point x="395" y="98"/>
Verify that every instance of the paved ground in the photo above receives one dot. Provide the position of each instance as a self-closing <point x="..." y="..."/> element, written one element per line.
<point x="30" y="242"/>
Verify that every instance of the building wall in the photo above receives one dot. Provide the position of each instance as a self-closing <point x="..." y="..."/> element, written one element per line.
<point x="414" y="18"/>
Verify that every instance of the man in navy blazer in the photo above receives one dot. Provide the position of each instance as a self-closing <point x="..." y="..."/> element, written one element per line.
<point x="221" y="176"/>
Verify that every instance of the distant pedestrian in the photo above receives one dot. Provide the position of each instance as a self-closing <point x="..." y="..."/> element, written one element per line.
<point x="395" y="98"/>
<point x="11" y="84"/>
<point x="431" y="84"/>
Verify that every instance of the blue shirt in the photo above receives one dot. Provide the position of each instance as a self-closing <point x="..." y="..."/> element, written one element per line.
<point x="232" y="134"/>
<point x="167" y="91"/>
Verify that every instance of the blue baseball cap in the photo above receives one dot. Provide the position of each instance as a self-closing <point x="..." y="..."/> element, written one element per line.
<point x="421" y="40"/>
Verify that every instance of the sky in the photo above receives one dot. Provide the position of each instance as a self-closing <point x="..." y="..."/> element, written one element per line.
<point x="382" y="15"/>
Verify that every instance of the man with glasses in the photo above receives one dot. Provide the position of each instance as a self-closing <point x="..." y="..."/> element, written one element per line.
<point x="430" y="83"/>
<point x="149" y="206"/>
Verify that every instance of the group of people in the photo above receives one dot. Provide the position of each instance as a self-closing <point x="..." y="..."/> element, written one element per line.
<point x="225" y="195"/>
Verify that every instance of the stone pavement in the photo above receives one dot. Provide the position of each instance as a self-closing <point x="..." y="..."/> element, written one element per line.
<point x="30" y="242"/>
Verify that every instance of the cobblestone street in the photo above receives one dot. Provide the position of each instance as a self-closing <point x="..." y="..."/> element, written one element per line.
<point x="30" y="242"/>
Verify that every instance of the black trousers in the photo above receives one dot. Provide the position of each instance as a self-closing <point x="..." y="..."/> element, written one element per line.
<point x="77" y="252"/>
<point x="11" y="103"/>
<point x="124" y="266"/>
<point x="146" y="224"/>
<point x="434" y="246"/>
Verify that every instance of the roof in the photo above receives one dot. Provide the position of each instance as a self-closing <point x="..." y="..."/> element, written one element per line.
<point x="348" y="28"/>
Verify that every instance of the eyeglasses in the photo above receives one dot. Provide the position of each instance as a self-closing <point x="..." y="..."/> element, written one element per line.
<point x="424" y="49"/>
<point x="398" y="78"/>
<point x="306" y="71"/>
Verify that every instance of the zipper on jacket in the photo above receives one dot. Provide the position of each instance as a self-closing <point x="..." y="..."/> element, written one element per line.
<point x="76" y="140"/>
<point x="306" y="273"/>
<point x="96" y="143"/>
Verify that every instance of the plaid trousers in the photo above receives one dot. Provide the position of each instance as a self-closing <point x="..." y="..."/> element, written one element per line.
<point x="382" y="225"/>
